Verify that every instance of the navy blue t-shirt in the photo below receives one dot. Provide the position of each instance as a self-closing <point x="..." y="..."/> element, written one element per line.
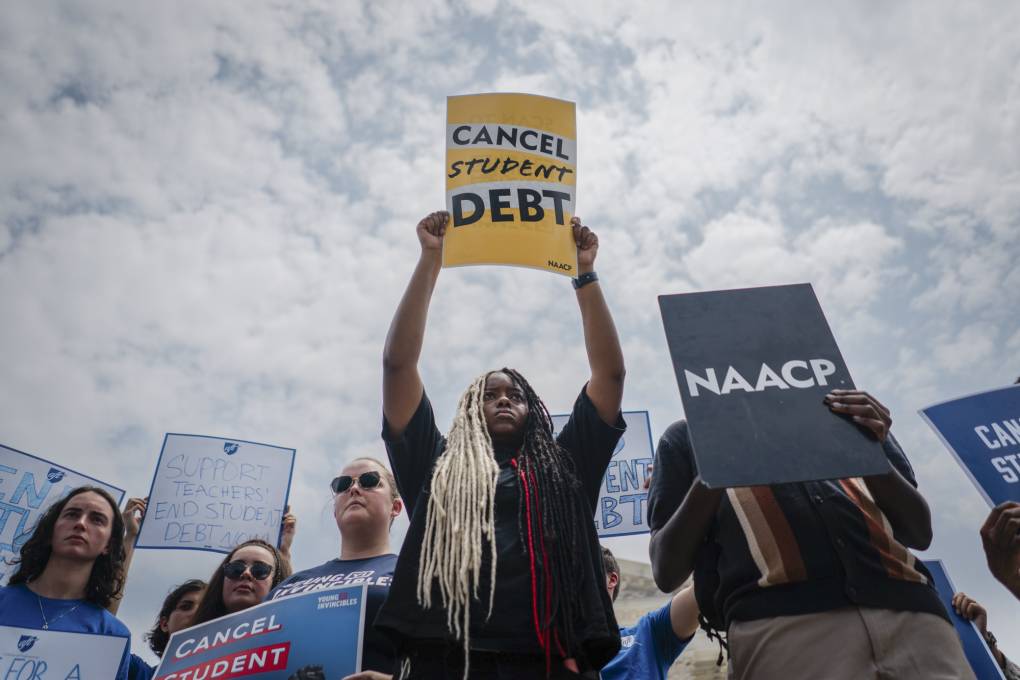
<point x="647" y="649"/>
<point x="139" y="670"/>
<point x="377" y="652"/>
<point x="19" y="607"/>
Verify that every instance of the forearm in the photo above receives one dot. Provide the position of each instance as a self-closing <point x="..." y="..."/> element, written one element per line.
<point x="672" y="548"/>
<point x="602" y="344"/>
<point x="904" y="507"/>
<point x="129" y="554"/>
<point x="407" y="330"/>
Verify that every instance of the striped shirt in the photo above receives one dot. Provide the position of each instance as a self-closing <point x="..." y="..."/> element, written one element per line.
<point x="793" y="549"/>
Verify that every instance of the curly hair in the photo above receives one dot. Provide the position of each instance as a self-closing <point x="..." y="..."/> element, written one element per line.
<point x="212" y="607"/>
<point x="157" y="637"/>
<point x="107" y="577"/>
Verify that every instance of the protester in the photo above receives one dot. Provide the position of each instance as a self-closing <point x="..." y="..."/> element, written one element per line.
<point x="365" y="503"/>
<point x="973" y="611"/>
<point x="243" y="579"/>
<point x="500" y="572"/>
<point x="174" y="615"/>
<point x="70" y="569"/>
<point x="819" y="572"/>
<point x="1000" y="536"/>
<point x="650" y="647"/>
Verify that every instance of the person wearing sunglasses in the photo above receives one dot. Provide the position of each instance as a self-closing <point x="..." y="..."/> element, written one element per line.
<point x="242" y="580"/>
<point x="500" y="574"/>
<point x="365" y="503"/>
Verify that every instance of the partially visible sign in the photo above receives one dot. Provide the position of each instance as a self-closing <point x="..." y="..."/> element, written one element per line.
<point x="983" y="432"/>
<point x="623" y="503"/>
<point x="314" y="635"/>
<point x="753" y="366"/>
<point x="511" y="178"/>
<point x="30" y="654"/>
<point x="211" y="493"/>
<point x="974" y="646"/>
<point x="29" y="485"/>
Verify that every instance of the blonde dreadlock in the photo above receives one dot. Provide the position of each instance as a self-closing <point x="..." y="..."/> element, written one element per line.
<point x="460" y="521"/>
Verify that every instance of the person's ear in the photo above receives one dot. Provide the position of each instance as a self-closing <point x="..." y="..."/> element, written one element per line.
<point x="398" y="505"/>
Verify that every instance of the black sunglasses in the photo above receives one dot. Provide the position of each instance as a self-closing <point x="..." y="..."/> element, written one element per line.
<point x="260" y="571"/>
<point x="366" y="480"/>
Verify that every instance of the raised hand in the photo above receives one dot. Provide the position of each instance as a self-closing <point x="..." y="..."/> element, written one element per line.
<point x="431" y="230"/>
<point x="132" y="514"/>
<point x="289" y="525"/>
<point x="971" y="610"/>
<point x="587" y="245"/>
<point x="1000" y="536"/>
<point x="863" y="408"/>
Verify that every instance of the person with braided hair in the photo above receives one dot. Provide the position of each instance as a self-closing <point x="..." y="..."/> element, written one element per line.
<point x="500" y="574"/>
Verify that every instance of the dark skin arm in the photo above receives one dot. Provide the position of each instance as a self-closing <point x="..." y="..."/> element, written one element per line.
<point x="902" y="504"/>
<point x="1000" y="537"/>
<point x="673" y="547"/>
<point x="605" y="358"/>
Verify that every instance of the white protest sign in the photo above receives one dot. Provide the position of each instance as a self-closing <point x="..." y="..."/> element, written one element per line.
<point x="211" y="493"/>
<point x="28" y="487"/>
<point x="29" y="654"/>
<point x="623" y="501"/>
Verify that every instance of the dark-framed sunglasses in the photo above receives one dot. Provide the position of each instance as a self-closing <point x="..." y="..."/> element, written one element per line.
<point x="366" y="480"/>
<point x="260" y="571"/>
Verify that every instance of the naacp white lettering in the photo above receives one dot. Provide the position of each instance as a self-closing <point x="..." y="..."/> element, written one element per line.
<point x="796" y="373"/>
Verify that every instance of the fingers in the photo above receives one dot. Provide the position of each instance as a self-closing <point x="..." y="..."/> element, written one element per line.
<point x="1007" y="527"/>
<point x="863" y="409"/>
<point x="585" y="238"/>
<point x="435" y="222"/>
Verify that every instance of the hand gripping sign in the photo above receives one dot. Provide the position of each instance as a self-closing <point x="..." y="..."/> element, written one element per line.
<point x="979" y="656"/>
<point x="753" y="366"/>
<point x="313" y="635"/>
<point x="511" y="177"/>
<point x="623" y="500"/>
<point x="211" y="493"/>
<point x="28" y="486"/>
<point x="982" y="431"/>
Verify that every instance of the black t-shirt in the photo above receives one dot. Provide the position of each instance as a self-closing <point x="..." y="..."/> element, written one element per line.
<point x="377" y="653"/>
<point x="590" y="442"/>
<point x="791" y="549"/>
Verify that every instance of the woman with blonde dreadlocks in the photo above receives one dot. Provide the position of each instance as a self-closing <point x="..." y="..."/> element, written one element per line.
<point x="500" y="574"/>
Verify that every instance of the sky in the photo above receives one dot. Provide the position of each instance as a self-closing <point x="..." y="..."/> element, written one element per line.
<point x="207" y="217"/>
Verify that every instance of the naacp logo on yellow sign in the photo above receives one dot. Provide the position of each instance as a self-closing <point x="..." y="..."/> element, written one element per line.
<point x="511" y="177"/>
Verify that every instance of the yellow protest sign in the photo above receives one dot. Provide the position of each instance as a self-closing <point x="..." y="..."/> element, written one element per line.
<point x="511" y="174"/>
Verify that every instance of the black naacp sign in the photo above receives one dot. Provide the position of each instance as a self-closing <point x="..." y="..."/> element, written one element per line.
<point x="753" y="366"/>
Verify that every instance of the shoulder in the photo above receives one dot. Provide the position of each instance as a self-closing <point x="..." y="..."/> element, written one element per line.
<point x="676" y="435"/>
<point x="111" y="625"/>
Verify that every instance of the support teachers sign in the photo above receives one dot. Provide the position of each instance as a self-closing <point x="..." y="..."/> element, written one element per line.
<point x="511" y="177"/>
<point x="211" y="493"/>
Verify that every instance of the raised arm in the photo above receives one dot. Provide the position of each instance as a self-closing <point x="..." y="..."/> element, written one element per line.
<point x="402" y="387"/>
<point x="605" y="358"/>
<point x="133" y="512"/>
<point x="901" y="503"/>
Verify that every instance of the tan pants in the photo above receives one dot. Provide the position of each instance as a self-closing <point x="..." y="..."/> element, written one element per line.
<point x="851" y="643"/>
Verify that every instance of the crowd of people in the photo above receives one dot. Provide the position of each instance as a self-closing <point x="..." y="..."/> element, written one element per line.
<point x="501" y="574"/>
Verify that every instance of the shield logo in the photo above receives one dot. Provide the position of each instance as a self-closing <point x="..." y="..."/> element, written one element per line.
<point x="26" y="642"/>
<point x="230" y="448"/>
<point x="54" y="475"/>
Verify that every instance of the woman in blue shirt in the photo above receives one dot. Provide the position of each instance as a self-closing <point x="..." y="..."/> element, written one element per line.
<point x="70" y="570"/>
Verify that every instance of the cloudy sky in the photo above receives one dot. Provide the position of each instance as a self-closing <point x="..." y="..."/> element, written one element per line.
<point x="207" y="217"/>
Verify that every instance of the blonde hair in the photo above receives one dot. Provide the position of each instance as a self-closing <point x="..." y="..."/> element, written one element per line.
<point x="460" y="522"/>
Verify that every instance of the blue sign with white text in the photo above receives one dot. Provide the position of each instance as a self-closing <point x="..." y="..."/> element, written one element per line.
<point x="978" y="655"/>
<point x="623" y="501"/>
<point x="313" y="635"/>
<point x="983" y="433"/>
<point x="28" y="486"/>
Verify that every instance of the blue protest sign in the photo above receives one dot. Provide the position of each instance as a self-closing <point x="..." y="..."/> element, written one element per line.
<point x="974" y="646"/>
<point x="318" y="633"/>
<point x="623" y="503"/>
<point x="211" y="493"/>
<point x="30" y="654"/>
<point x="28" y="486"/>
<point x="983" y="432"/>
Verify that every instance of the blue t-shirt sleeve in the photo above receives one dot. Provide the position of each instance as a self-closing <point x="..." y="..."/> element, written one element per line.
<point x="139" y="670"/>
<point x="660" y="629"/>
